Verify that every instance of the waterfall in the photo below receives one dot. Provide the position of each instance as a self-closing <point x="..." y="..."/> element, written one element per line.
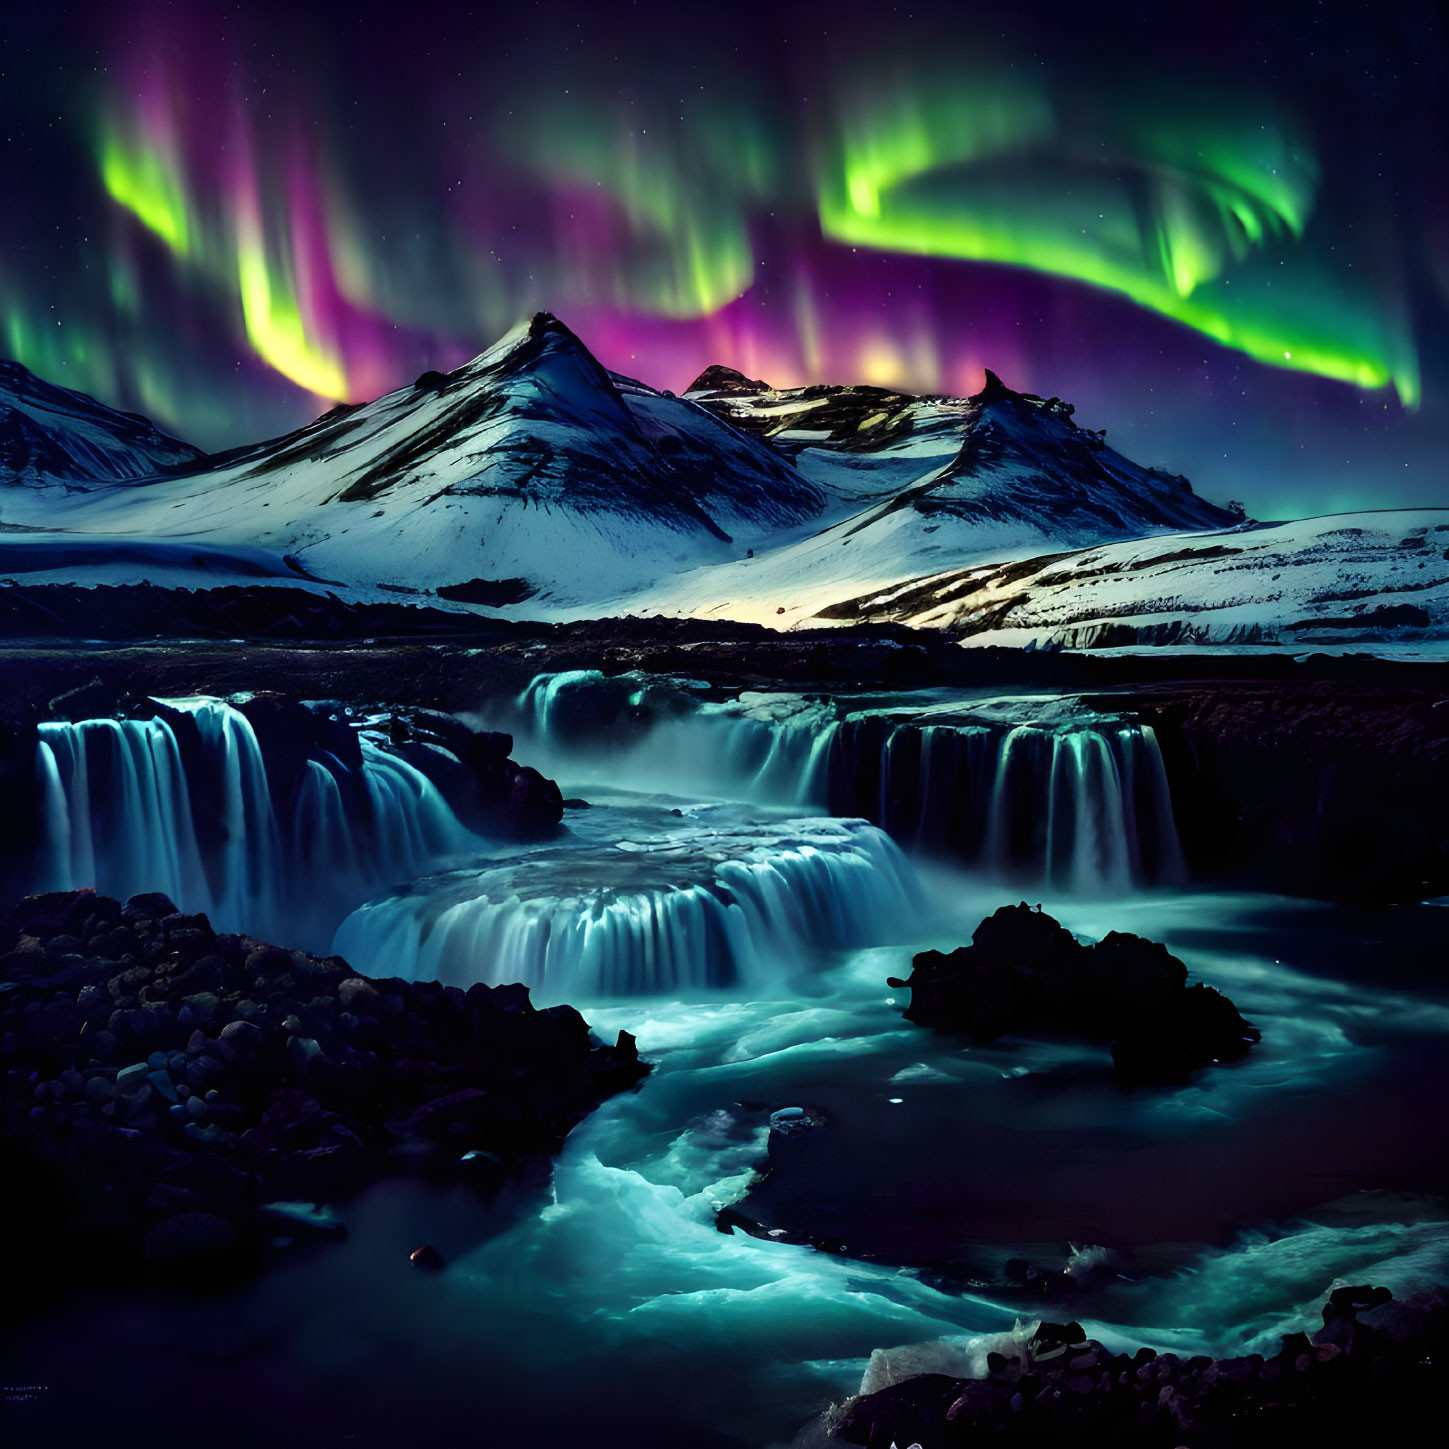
<point x="670" y="735"/>
<point x="130" y="807"/>
<point x="1075" y="803"/>
<point x="118" y="811"/>
<point x="693" y="909"/>
<point x="1041" y="791"/>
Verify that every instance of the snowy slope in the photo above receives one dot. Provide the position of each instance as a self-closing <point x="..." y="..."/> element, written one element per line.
<point x="549" y="488"/>
<point x="51" y="435"/>
<point x="529" y="467"/>
<point x="999" y="457"/>
<point x="916" y="486"/>
<point x="1352" y="576"/>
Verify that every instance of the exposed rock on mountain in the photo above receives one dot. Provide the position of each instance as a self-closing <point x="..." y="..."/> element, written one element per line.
<point x="1346" y="577"/>
<point x="997" y="456"/>
<point x="531" y="464"/>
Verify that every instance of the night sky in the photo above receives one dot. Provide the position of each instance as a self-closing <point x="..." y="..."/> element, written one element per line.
<point x="1223" y="234"/>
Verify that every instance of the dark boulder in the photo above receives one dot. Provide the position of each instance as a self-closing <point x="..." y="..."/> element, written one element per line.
<point x="489" y="791"/>
<point x="1024" y="973"/>
<point x="535" y="803"/>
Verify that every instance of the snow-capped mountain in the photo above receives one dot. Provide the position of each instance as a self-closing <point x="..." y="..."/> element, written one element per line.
<point x="529" y="471"/>
<point x="1343" y="578"/>
<point x="51" y="435"/>
<point x="919" y="485"/>
<point x="997" y="457"/>
<point x="534" y="483"/>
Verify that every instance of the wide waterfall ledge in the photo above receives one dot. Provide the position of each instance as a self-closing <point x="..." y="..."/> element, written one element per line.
<point x="684" y="902"/>
<point x="1036" y="790"/>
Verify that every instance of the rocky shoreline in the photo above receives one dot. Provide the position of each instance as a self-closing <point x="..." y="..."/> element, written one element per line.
<point x="1374" y="1373"/>
<point x="171" y="1093"/>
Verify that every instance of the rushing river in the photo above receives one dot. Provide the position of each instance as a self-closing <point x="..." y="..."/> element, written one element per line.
<point x="747" y="943"/>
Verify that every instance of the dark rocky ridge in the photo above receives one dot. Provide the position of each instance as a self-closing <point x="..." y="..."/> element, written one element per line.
<point x="1375" y="1373"/>
<point x="163" y="1083"/>
<point x="1023" y="973"/>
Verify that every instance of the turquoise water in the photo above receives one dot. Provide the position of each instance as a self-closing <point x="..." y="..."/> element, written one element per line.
<point x="604" y="1307"/>
<point x="608" y="1304"/>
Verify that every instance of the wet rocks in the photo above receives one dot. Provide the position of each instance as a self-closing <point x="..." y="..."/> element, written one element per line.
<point x="471" y="767"/>
<point x="1023" y="973"/>
<point x="1354" y="1381"/>
<point x="172" y="1121"/>
<point x="489" y="791"/>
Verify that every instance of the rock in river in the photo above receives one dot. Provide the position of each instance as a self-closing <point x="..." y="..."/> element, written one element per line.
<point x="1024" y="973"/>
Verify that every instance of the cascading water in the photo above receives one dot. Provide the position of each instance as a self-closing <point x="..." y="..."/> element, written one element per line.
<point x="126" y="809"/>
<point x="704" y="901"/>
<point x="1041" y="791"/>
<point x="726" y="937"/>
<point x="759" y="746"/>
<point x="1077" y="803"/>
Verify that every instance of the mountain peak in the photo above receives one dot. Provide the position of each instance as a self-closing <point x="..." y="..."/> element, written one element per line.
<point x="994" y="389"/>
<point x="545" y="327"/>
<point x="717" y="378"/>
<point x="540" y="341"/>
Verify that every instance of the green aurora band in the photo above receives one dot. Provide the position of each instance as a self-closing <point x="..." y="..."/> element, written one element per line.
<point x="1198" y="206"/>
<point x="684" y="187"/>
<point x="233" y="250"/>
<point x="1183" y="212"/>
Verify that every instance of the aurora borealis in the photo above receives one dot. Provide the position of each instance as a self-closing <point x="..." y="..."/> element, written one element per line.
<point x="1223" y="236"/>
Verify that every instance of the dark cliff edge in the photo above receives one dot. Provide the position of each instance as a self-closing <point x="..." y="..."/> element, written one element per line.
<point x="1319" y="788"/>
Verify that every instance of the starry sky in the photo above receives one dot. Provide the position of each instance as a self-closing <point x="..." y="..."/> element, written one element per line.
<point x="1221" y="230"/>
